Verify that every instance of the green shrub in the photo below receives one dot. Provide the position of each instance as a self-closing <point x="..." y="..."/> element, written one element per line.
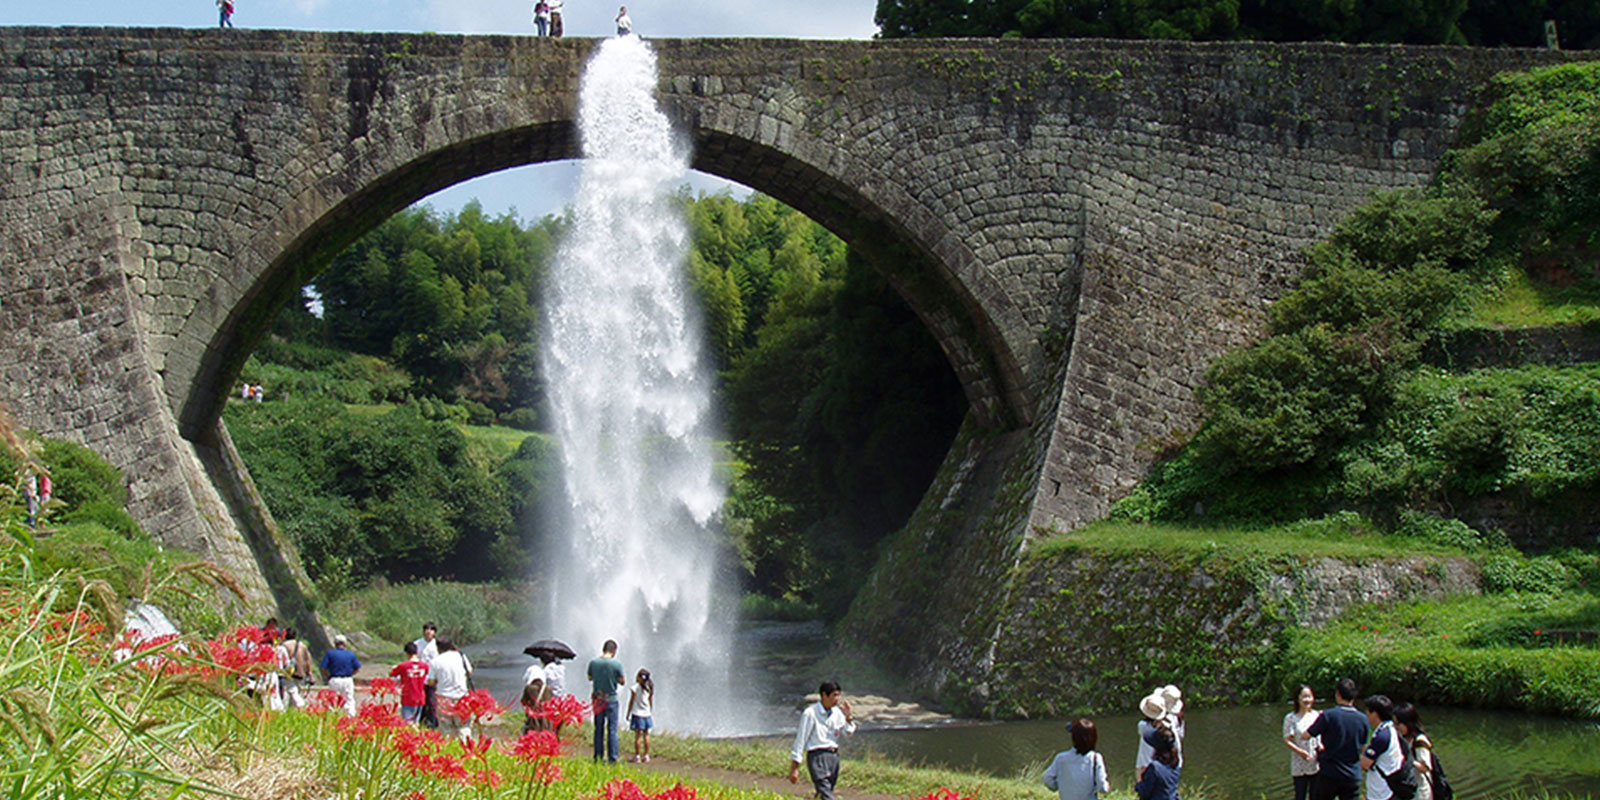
<point x="1507" y="572"/>
<point x="1293" y="396"/>
<point x="392" y="494"/>
<point x="81" y="476"/>
<point x="1448" y="532"/>
<point x="107" y="515"/>
<point x="523" y="419"/>
<point x="477" y="413"/>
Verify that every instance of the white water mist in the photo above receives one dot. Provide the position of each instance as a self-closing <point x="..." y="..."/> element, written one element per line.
<point x="631" y="405"/>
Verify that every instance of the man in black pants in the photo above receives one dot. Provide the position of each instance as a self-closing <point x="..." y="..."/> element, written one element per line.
<point x="817" y="741"/>
<point x="1344" y="732"/>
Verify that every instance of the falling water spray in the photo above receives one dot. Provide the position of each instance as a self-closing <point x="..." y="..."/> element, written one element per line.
<point x="631" y="406"/>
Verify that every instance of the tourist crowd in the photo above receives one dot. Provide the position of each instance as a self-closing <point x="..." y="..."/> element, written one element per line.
<point x="1334" y="754"/>
<point x="434" y="684"/>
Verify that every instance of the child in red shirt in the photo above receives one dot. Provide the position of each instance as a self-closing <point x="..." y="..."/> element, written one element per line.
<point x="413" y="675"/>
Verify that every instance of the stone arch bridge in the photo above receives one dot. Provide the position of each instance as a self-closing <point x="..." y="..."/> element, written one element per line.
<point x="1083" y="225"/>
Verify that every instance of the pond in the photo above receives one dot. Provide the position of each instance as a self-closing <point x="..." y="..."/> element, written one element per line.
<point x="1237" y="751"/>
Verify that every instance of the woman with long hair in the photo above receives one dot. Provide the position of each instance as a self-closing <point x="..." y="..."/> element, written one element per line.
<point x="1303" y="751"/>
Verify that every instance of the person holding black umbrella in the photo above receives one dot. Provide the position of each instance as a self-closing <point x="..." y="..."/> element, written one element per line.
<point x="550" y="653"/>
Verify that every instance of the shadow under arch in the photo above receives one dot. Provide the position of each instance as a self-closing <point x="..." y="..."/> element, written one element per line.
<point x="985" y="365"/>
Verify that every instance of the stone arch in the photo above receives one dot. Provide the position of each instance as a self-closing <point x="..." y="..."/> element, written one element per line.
<point x="939" y="277"/>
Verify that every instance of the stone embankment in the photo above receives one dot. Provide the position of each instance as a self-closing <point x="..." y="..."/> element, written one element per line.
<point x="1091" y="629"/>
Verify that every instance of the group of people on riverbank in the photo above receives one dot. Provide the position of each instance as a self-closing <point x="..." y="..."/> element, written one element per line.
<point x="1329" y="751"/>
<point x="546" y="681"/>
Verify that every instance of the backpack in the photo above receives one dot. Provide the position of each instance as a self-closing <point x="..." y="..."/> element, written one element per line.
<point x="1403" y="781"/>
<point x="1442" y="790"/>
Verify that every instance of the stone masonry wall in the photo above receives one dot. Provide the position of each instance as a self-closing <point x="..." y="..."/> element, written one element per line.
<point x="163" y="192"/>
<point x="1089" y="630"/>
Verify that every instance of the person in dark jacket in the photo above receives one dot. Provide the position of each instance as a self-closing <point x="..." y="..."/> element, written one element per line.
<point x="1160" y="779"/>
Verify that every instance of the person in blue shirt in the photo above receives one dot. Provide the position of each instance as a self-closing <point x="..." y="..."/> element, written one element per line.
<point x="1342" y="731"/>
<point x="339" y="667"/>
<point x="1160" y="779"/>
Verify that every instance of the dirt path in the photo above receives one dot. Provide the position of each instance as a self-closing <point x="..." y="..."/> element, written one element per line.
<point x="776" y="782"/>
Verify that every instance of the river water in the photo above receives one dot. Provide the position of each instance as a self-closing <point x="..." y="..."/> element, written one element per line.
<point x="1237" y="752"/>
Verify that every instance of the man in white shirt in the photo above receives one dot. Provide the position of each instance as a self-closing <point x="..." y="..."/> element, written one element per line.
<point x="428" y="650"/>
<point x="450" y="670"/>
<point x="1383" y="756"/>
<point x="817" y="741"/>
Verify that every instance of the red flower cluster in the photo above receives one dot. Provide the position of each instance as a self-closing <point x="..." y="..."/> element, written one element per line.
<point x="325" y="701"/>
<point x="944" y="794"/>
<point x="477" y="706"/>
<point x="242" y="653"/>
<point x="624" y="789"/>
<point x="71" y="626"/>
<point x="424" y="752"/>
<point x="562" y="711"/>
<point x="383" y="687"/>
<point x="370" y="724"/>
<point x="535" y="745"/>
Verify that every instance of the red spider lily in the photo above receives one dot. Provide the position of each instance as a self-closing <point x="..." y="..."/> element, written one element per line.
<point x="563" y="710"/>
<point x="416" y="796"/>
<point x="243" y="652"/>
<point x="944" y="794"/>
<point x="681" y="792"/>
<point x="535" y="745"/>
<point x="411" y="742"/>
<point x="475" y="748"/>
<point x="484" y="779"/>
<point x="370" y="724"/>
<point x="477" y="706"/>
<point x="71" y="626"/>
<point x="325" y="701"/>
<point x="622" y="789"/>
<point x="383" y="687"/>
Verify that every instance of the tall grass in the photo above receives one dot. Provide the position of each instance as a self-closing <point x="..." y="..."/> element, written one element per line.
<point x="465" y="612"/>
<point x="1485" y="652"/>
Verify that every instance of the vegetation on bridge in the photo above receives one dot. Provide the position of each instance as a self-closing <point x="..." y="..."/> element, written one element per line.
<point x="1477" y="22"/>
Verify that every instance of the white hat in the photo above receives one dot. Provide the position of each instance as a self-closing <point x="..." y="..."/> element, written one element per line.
<point x="341" y="639"/>
<point x="1153" y="706"/>
<point x="1172" y="698"/>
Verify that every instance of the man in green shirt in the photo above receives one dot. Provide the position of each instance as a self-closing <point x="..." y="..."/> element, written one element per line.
<point x="606" y="674"/>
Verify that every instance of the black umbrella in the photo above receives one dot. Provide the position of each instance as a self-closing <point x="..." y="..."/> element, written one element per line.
<point x="554" y="648"/>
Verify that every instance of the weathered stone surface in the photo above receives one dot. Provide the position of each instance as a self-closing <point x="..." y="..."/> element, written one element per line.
<point x="1093" y="630"/>
<point x="163" y="192"/>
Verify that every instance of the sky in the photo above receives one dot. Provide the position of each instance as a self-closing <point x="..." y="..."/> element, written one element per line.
<point x="531" y="191"/>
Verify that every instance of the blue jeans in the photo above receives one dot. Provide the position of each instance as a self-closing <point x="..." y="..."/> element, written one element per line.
<point x="605" y="731"/>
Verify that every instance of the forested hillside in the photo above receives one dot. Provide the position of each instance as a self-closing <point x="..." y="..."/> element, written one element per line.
<point x="403" y="432"/>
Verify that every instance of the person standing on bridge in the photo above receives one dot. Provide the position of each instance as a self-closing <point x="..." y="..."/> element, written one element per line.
<point x="224" y="13"/>
<point x="541" y="17"/>
<point x="624" y="22"/>
<point x="555" y="17"/>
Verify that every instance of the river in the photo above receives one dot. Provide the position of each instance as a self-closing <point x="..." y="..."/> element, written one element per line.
<point x="1237" y="752"/>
